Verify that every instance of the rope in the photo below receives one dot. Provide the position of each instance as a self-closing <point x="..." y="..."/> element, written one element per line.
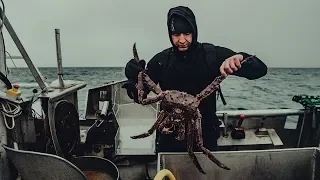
<point x="8" y="111"/>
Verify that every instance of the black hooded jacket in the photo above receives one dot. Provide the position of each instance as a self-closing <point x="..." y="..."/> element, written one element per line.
<point x="190" y="72"/>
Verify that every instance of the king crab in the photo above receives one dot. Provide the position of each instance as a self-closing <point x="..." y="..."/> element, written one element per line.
<point x="180" y="111"/>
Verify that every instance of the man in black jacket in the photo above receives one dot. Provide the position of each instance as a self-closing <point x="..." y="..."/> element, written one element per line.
<point x="190" y="66"/>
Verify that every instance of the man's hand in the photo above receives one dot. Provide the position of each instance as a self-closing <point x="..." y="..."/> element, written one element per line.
<point x="133" y="68"/>
<point x="231" y="65"/>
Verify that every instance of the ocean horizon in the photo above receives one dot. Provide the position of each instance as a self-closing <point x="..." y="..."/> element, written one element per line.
<point x="275" y="90"/>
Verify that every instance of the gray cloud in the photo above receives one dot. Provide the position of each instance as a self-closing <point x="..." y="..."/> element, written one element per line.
<point x="101" y="33"/>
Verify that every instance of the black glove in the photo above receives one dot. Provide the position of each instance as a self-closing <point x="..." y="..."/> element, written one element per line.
<point x="133" y="68"/>
<point x="132" y="91"/>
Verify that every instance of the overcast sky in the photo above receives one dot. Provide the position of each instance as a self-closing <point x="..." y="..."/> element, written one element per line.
<point x="98" y="33"/>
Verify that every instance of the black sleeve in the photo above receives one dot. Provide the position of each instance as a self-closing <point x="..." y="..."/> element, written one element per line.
<point x="153" y="68"/>
<point x="252" y="69"/>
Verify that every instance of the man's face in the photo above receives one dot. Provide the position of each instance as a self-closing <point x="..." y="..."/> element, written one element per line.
<point x="182" y="41"/>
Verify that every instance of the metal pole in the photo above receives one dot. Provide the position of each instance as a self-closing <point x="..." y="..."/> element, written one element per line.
<point x="225" y="121"/>
<point x="59" y="57"/>
<point x="3" y="63"/>
<point x="35" y="72"/>
<point x="302" y="128"/>
<point x="4" y="160"/>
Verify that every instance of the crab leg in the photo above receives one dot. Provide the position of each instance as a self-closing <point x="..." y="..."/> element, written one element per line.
<point x="215" y="84"/>
<point x="190" y="138"/>
<point x="135" y="53"/>
<point x="153" y="128"/>
<point x="210" y="88"/>
<point x="181" y="131"/>
<point x="156" y="89"/>
<point x="152" y="99"/>
<point x="140" y="87"/>
<point x="141" y="92"/>
<point x="150" y="83"/>
<point x="199" y="142"/>
<point x="166" y="126"/>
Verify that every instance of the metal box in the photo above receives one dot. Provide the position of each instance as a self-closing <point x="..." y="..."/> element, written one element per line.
<point x="134" y="119"/>
<point x="279" y="164"/>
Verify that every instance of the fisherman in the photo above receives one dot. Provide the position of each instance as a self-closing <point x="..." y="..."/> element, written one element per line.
<point x="190" y="66"/>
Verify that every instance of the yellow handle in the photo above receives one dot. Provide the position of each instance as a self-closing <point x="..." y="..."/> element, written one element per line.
<point x="164" y="173"/>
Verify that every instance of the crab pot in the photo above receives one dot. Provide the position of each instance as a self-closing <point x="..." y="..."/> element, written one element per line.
<point x="279" y="164"/>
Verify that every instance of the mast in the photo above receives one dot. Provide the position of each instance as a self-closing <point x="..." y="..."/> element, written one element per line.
<point x="3" y="64"/>
<point x="34" y="70"/>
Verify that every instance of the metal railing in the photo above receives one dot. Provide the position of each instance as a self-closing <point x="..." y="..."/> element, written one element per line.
<point x="260" y="113"/>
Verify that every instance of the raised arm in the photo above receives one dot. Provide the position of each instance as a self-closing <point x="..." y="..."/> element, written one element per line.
<point x="252" y="69"/>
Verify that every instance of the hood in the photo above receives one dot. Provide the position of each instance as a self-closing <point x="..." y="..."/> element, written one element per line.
<point x="186" y="13"/>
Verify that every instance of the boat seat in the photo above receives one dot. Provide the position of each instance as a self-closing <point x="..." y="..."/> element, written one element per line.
<point x="41" y="166"/>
